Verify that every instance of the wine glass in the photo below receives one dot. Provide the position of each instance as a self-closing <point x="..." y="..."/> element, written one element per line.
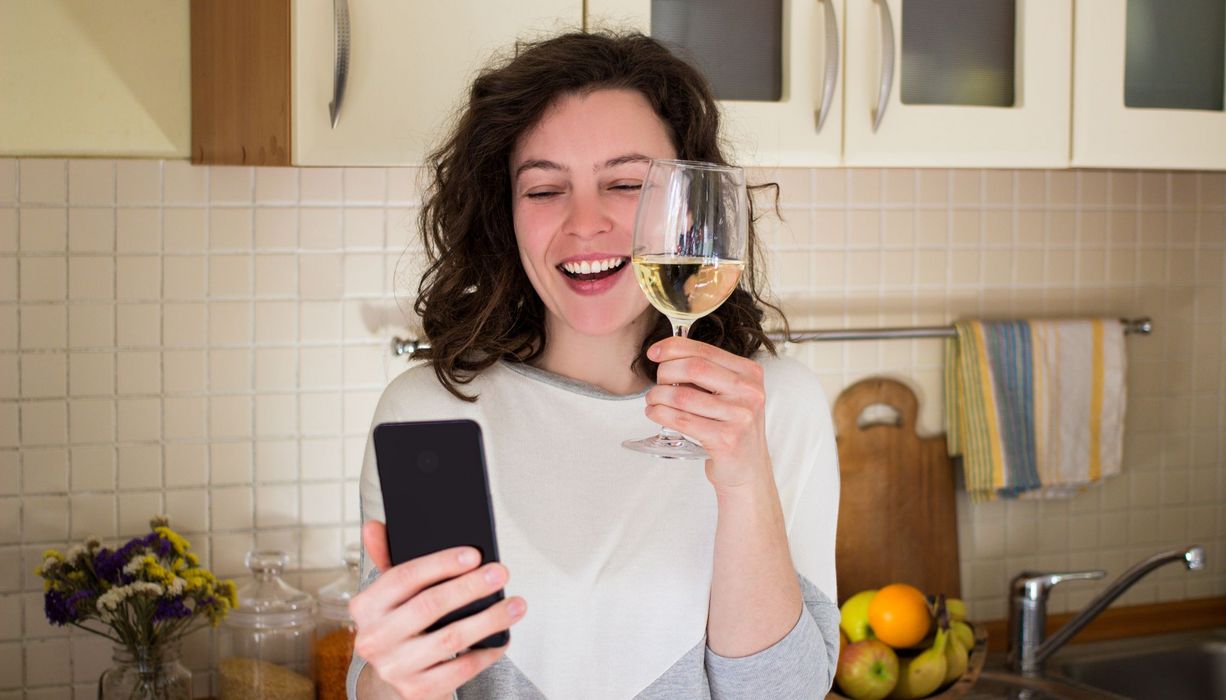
<point x="690" y="235"/>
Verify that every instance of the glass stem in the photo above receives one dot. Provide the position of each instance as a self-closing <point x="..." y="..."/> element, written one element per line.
<point x="680" y="330"/>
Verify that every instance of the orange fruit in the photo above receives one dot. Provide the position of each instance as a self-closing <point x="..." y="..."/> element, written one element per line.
<point x="899" y="615"/>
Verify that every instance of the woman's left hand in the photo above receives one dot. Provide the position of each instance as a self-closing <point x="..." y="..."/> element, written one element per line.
<point x="720" y="400"/>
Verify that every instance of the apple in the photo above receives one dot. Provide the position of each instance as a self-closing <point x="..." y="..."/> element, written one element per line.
<point x="854" y="613"/>
<point x="867" y="670"/>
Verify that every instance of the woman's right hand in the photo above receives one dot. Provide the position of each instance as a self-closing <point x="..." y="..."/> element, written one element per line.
<point x="394" y="611"/>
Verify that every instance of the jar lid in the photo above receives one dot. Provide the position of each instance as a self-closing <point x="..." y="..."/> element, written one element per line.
<point x="265" y="600"/>
<point x="334" y="598"/>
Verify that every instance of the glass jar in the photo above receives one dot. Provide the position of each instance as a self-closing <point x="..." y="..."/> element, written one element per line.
<point x="145" y="673"/>
<point x="335" y="630"/>
<point x="265" y="647"/>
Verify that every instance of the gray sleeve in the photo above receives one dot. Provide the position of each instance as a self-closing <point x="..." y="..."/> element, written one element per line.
<point x="801" y="665"/>
<point x="357" y="663"/>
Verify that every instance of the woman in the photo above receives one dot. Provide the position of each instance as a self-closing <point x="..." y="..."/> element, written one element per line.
<point x="646" y="578"/>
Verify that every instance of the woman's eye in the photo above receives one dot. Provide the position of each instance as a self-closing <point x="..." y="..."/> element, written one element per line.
<point x="546" y="194"/>
<point x="628" y="186"/>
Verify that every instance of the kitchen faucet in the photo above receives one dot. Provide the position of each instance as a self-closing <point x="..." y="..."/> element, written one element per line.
<point x="1028" y="606"/>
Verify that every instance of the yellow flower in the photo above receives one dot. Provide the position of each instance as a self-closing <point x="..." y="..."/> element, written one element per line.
<point x="231" y="592"/>
<point x="53" y="554"/>
<point x="179" y="544"/>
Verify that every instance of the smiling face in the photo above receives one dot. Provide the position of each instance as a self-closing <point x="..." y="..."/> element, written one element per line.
<point x="575" y="181"/>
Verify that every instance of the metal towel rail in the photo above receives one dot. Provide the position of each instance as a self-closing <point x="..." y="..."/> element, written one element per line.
<point x="1138" y="326"/>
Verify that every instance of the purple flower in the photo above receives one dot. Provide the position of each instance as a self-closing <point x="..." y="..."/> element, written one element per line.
<point x="171" y="609"/>
<point x="61" y="609"/>
<point x="56" y="608"/>
<point x="109" y="564"/>
<point x="164" y="547"/>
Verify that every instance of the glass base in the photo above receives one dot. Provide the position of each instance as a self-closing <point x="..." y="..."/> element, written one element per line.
<point x="665" y="448"/>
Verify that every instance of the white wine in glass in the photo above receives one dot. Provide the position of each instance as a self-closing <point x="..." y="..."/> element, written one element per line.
<point x="690" y="235"/>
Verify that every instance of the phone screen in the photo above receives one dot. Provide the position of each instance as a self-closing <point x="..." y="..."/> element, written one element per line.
<point x="436" y="496"/>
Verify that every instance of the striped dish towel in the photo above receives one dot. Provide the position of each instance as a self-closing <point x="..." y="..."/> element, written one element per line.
<point x="1035" y="408"/>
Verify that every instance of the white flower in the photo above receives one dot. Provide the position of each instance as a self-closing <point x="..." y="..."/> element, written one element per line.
<point x="111" y="600"/>
<point x="177" y="586"/>
<point x="74" y="553"/>
<point x="136" y="565"/>
<point x="149" y="588"/>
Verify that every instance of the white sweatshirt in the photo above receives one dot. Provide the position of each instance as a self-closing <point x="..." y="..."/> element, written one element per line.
<point x="612" y="549"/>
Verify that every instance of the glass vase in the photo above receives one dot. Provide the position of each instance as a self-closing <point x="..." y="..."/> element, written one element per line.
<point x="145" y="673"/>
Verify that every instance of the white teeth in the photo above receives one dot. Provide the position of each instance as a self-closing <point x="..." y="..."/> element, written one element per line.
<point x="588" y="267"/>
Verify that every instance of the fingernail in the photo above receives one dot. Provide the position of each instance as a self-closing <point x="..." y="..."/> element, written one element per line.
<point x="516" y="607"/>
<point x="653" y="352"/>
<point x="468" y="557"/>
<point x="493" y="575"/>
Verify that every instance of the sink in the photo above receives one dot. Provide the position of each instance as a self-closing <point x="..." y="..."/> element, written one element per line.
<point x="1188" y="666"/>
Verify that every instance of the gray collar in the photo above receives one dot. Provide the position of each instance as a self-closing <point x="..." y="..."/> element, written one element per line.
<point x="566" y="383"/>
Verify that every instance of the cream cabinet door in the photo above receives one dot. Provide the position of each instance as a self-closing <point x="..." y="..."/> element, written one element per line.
<point x="1148" y="89"/>
<point x="410" y="65"/>
<point x="804" y="127"/>
<point x="909" y="103"/>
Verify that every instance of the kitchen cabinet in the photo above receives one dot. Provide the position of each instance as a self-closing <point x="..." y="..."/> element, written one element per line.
<point x="76" y="82"/>
<point x="281" y="82"/>
<point x="803" y="126"/>
<point x="960" y="83"/>
<point x="1148" y="84"/>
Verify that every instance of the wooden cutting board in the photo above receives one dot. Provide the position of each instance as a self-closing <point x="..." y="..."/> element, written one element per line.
<point x="897" y="520"/>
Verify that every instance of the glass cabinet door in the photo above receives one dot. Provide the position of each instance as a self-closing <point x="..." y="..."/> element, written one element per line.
<point x="963" y="83"/>
<point x="1149" y="81"/>
<point x="774" y="66"/>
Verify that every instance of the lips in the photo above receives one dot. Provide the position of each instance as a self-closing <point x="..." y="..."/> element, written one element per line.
<point x="593" y="275"/>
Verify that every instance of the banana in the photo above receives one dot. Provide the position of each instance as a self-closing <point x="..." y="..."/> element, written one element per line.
<point x="956" y="608"/>
<point x="964" y="633"/>
<point x="956" y="659"/>
<point x="921" y="675"/>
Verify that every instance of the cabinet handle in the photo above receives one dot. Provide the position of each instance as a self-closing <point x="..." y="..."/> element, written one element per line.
<point x="887" y="63"/>
<point x="832" y="63"/>
<point x="340" y="65"/>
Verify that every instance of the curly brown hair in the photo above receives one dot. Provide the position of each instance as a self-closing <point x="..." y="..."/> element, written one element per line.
<point x="476" y="303"/>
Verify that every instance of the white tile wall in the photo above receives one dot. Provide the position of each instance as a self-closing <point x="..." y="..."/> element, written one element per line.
<point x="210" y="342"/>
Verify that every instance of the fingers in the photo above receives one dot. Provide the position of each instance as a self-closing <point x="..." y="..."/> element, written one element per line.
<point x="698" y="402"/>
<point x="676" y="348"/>
<point x="713" y="434"/>
<point x="404" y="581"/>
<point x="442" y="644"/>
<point x="716" y="379"/>
<point x="374" y="539"/>
<point x="431" y="604"/>
<point x="684" y="361"/>
<point x="446" y="677"/>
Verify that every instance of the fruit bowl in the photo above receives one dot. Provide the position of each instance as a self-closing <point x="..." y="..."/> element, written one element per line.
<point x="964" y="683"/>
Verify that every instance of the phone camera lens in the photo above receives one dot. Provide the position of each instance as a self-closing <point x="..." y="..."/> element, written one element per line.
<point x="427" y="462"/>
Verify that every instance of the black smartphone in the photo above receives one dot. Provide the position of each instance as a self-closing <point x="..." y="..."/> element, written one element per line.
<point x="436" y="496"/>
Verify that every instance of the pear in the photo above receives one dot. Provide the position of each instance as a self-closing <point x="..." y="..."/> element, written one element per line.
<point x="854" y="616"/>
<point x="921" y="675"/>
<point x="964" y="633"/>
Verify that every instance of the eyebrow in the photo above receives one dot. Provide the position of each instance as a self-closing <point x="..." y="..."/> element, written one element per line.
<point x="550" y="165"/>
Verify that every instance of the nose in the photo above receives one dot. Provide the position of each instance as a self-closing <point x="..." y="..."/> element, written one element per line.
<point x="588" y="216"/>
